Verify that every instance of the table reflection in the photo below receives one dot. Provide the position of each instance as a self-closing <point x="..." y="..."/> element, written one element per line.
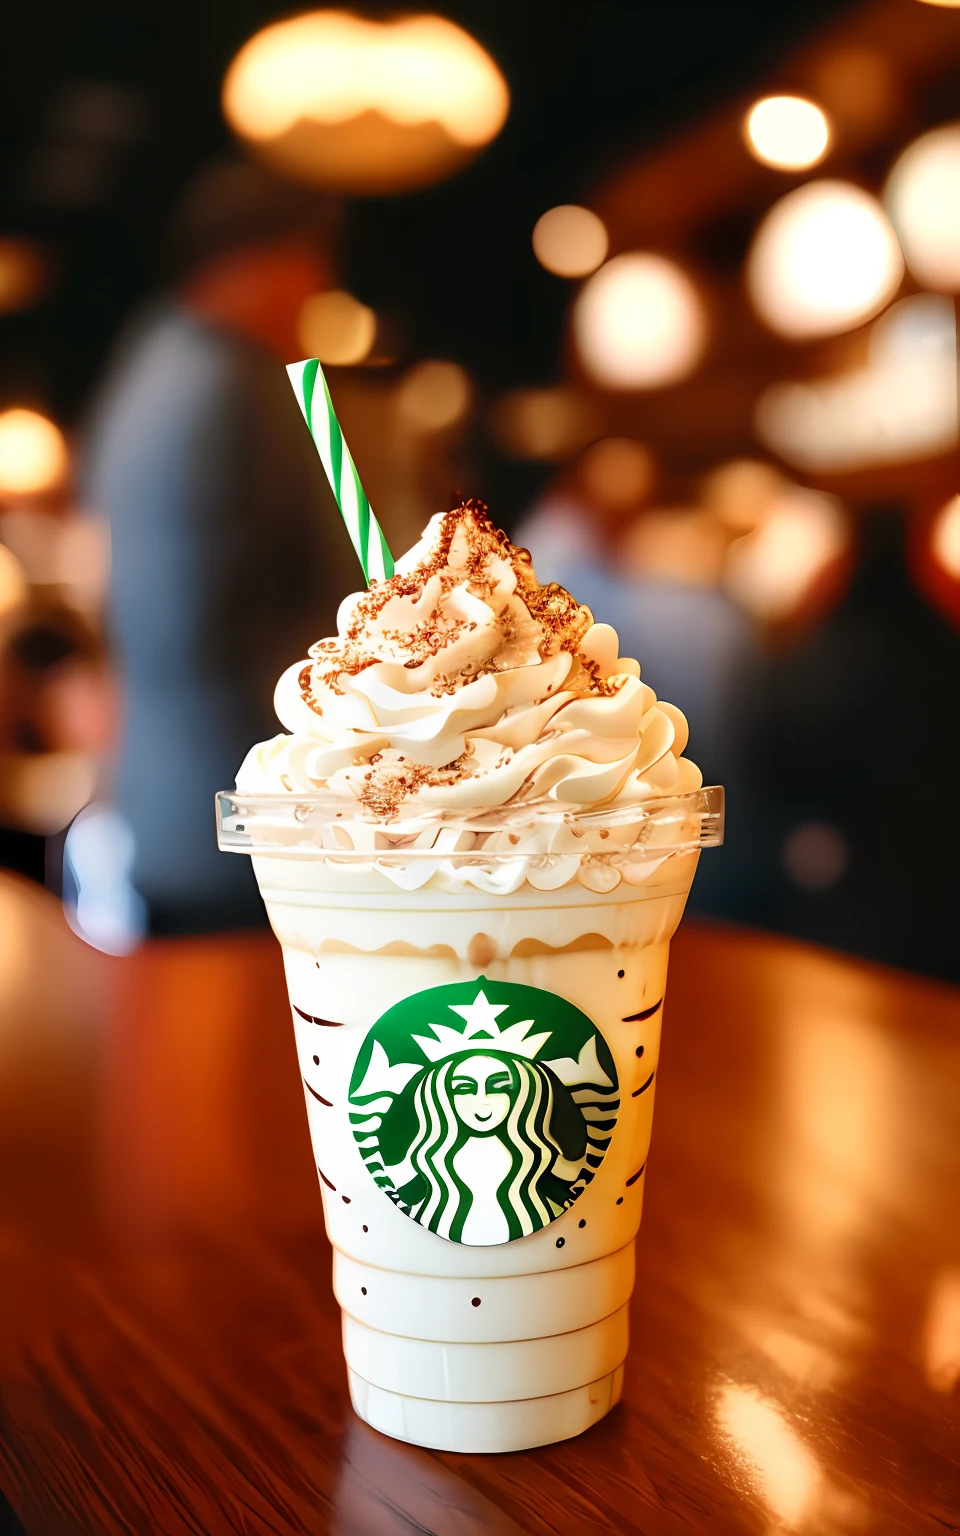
<point x="767" y="1451"/>
<point x="941" y="1332"/>
<point x="839" y="1145"/>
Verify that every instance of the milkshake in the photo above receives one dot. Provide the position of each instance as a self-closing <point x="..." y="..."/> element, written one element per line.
<point x="475" y="841"/>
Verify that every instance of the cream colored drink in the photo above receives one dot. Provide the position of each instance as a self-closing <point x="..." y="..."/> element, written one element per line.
<point x="474" y="847"/>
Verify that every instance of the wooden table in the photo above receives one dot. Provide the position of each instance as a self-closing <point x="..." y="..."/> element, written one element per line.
<point x="169" y="1344"/>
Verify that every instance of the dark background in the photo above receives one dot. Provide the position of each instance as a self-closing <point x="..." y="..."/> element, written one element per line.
<point x="106" y="110"/>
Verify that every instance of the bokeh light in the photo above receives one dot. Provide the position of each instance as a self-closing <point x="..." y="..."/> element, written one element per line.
<point x="72" y="553"/>
<point x="741" y="492"/>
<point x="100" y="902"/>
<point x="13" y="585"/>
<point x="24" y="273"/>
<point x="43" y="791"/>
<point x="901" y="406"/>
<point x="815" y="855"/>
<point x="570" y="241"/>
<point x="681" y="545"/>
<point x="825" y="258"/>
<point x="33" y="453"/>
<point x="434" y="395"/>
<point x="336" y="328"/>
<point x="551" y="425"/>
<point x="617" y="473"/>
<point x="361" y="105"/>
<point x="922" y="197"/>
<point x="34" y="536"/>
<point x="83" y="562"/>
<point x="771" y="571"/>
<point x="945" y="538"/>
<point x="639" y="323"/>
<point x="860" y="88"/>
<point x="788" y="132"/>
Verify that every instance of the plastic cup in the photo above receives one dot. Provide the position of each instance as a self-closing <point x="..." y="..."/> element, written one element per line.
<point x="478" y="1033"/>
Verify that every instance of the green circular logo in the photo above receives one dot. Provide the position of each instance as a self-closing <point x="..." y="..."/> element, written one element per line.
<point x="483" y="1109"/>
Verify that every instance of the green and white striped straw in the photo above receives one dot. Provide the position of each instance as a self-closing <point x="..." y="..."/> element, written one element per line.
<point x="313" y="396"/>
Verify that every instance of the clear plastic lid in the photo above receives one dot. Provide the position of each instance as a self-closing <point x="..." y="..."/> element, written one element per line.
<point x="322" y="825"/>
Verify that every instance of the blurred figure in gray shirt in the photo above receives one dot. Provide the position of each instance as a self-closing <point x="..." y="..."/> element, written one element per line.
<point x="229" y="557"/>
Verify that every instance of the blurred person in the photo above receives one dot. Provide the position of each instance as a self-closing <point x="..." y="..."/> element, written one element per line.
<point x="229" y="557"/>
<point x="860" y="724"/>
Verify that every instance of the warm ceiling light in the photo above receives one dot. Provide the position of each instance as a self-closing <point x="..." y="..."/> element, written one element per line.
<point x="336" y="328"/>
<point x="825" y="258"/>
<point x="950" y="5"/>
<point x="945" y="538"/>
<point x="570" y="241"/>
<point x="639" y="323"/>
<point x="359" y="105"/>
<point x="922" y="196"/>
<point x="787" y="132"/>
<point x="547" y="424"/>
<point x="433" y="396"/>
<point x="33" y="454"/>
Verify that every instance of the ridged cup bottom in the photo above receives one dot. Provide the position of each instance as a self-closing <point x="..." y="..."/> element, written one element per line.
<point x="495" y="1396"/>
<point x="485" y="1427"/>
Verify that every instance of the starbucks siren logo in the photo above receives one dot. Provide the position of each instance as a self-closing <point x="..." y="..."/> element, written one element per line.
<point x="483" y="1109"/>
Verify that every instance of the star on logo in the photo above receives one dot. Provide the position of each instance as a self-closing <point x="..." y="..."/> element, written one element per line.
<point x="481" y="1015"/>
<point x="481" y="1028"/>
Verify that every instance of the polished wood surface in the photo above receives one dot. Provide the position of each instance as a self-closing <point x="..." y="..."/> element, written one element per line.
<point x="169" y="1343"/>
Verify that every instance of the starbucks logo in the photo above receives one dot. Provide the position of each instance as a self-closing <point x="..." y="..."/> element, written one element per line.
<point x="483" y="1109"/>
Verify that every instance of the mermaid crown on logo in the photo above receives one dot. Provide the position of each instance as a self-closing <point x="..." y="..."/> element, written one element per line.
<point x="481" y="1030"/>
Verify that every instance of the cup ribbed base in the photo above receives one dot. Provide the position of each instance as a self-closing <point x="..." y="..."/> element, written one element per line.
<point x="485" y="1427"/>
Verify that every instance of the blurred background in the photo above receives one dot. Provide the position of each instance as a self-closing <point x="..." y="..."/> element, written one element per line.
<point x="672" y="288"/>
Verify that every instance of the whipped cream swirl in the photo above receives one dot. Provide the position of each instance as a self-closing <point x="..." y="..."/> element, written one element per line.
<point x="463" y="684"/>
